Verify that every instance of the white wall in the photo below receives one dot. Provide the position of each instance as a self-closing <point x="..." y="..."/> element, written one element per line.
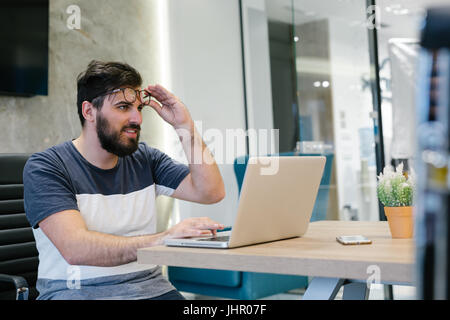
<point x="205" y="72"/>
<point x="258" y="78"/>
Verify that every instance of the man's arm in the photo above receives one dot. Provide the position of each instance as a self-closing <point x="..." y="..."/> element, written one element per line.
<point x="204" y="184"/>
<point x="80" y="246"/>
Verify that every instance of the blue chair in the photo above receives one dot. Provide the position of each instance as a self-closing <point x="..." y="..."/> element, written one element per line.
<point x="248" y="285"/>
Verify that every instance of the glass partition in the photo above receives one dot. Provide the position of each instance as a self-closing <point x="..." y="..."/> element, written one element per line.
<point x="322" y="98"/>
<point x="398" y="47"/>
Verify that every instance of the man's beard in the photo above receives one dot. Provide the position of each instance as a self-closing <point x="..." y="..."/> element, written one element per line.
<point x="110" y="140"/>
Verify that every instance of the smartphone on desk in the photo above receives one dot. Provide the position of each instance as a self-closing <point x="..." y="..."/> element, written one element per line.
<point x="346" y="240"/>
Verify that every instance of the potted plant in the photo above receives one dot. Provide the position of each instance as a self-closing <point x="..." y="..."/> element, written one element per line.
<point x="395" y="190"/>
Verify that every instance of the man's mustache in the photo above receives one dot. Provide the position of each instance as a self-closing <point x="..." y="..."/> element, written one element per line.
<point x="133" y="126"/>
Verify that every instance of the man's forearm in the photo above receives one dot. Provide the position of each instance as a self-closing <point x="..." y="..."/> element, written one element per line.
<point x="106" y="250"/>
<point x="205" y="173"/>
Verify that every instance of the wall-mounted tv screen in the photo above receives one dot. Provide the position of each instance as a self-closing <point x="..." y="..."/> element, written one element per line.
<point x="24" y="47"/>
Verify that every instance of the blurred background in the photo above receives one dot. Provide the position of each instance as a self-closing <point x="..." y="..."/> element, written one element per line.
<point x="335" y="77"/>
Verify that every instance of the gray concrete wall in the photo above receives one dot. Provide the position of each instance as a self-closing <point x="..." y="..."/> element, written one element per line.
<point x="120" y="30"/>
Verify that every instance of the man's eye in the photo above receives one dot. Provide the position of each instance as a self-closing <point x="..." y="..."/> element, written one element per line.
<point x="123" y="107"/>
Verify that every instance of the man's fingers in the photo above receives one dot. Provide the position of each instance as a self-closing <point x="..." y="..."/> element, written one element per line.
<point x="155" y="105"/>
<point x="162" y="94"/>
<point x="197" y="233"/>
<point x="205" y="233"/>
<point x="187" y="233"/>
<point x="159" y="92"/>
<point x="208" y="225"/>
<point x="198" y="227"/>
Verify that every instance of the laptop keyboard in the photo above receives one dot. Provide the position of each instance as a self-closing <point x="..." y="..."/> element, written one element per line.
<point x="222" y="238"/>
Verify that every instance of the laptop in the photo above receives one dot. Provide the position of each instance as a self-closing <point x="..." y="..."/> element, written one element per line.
<point x="276" y="202"/>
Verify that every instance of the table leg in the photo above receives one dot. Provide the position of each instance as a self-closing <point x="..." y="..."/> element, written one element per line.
<point x="388" y="292"/>
<point x="355" y="291"/>
<point x="327" y="288"/>
<point x="323" y="288"/>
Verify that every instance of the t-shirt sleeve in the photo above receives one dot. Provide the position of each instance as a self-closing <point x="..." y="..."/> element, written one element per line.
<point x="167" y="172"/>
<point x="46" y="189"/>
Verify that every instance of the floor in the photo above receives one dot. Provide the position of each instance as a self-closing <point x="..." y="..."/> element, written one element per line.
<point x="376" y="293"/>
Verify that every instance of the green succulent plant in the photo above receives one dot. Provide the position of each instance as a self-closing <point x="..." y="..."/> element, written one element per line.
<point x="394" y="188"/>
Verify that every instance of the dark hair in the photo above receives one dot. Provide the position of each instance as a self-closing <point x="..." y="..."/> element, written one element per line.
<point x="101" y="77"/>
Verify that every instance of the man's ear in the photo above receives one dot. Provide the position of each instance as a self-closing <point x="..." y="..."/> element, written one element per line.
<point x="88" y="111"/>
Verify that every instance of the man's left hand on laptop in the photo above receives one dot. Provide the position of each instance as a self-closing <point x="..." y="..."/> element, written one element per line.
<point x="194" y="227"/>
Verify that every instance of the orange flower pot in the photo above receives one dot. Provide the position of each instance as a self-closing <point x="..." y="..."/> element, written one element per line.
<point x="401" y="222"/>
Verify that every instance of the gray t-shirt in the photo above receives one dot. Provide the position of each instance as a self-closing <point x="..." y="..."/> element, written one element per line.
<point x="118" y="201"/>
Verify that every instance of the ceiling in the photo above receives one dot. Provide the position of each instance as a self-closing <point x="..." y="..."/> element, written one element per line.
<point x="399" y="18"/>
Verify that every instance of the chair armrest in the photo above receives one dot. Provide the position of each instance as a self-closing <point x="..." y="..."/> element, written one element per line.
<point x="20" y="284"/>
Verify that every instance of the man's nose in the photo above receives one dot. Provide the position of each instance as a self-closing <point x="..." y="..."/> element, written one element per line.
<point x="136" y="116"/>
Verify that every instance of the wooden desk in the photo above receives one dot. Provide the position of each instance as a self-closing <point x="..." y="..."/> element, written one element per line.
<point x="316" y="254"/>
